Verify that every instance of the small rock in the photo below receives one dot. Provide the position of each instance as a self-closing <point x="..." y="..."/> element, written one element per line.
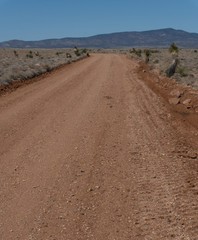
<point x="174" y="101"/>
<point x="196" y="109"/>
<point x="187" y="102"/>
<point x="193" y="156"/>
<point x="176" y="93"/>
<point x="108" y="97"/>
<point x="90" y="190"/>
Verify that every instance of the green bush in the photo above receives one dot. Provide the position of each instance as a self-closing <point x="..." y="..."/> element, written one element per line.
<point x="138" y="52"/>
<point x="84" y="50"/>
<point x="147" y="52"/>
<point x="173" y="48"/>
<point x="78" y="54"/>
<point x="182" y="71"/>
<point x="29" y="55"/>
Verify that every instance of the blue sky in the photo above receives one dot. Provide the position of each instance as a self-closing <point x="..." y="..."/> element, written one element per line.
<point x="42" y="19"/>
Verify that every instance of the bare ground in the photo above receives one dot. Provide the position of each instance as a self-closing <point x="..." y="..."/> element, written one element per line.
<point x="92" y="152"/>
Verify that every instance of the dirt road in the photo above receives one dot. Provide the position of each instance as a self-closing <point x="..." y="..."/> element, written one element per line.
<point x="90" y="152"/>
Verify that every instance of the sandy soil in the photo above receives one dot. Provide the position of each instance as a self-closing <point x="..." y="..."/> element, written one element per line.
<point x="92" y="151"/>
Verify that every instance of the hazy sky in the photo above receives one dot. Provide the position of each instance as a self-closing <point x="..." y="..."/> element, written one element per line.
<point x="41" y="19"/>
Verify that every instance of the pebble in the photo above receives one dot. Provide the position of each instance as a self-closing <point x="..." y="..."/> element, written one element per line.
<point x="174" y="101"/>
<point x="176" y="93"/>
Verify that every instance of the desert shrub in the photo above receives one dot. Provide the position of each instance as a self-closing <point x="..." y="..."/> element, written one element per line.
<point x="77" y="52"/>
<point x="133" y="50"/>
<point x="37" y="54"/>
<point x="15" y="53"/>
<point x="173" y="48"/>
<point x="182" y="71"/>
<point x="147" y="54"/>
<point x="156" y="61"/>
<point x="6" y="79"/>
<point x="138" y="52"/>
<point x="195" y="51"/>
<point x="31" y="63"/>
<point x="84" y="50"/>
<point x="68" y="55"/>
<point x="48" y="68"/>
<point x="30" y="55"/>
<point x="59" y="53"/>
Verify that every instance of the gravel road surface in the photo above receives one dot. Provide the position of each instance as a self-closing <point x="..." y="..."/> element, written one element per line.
<point x="91" y="152"/>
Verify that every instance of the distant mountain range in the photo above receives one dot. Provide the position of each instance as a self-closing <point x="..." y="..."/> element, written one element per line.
<point x="153" y="38"/>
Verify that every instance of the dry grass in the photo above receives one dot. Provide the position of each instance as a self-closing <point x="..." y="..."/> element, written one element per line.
<point x="187" y="70"/>
<point x="20" y="64"/>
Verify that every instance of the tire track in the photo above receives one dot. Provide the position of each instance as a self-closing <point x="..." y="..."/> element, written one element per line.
<point x="102" y="158"/>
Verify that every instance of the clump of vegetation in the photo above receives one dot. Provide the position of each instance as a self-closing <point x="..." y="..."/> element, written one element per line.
<point x="31" y="63"/>
<point x="15" y="53"/>
<point x="84" y="50"/>
<point x="137" y="52"/>
<point x="68" y="55"/>
<point x="173" y="49"/>
<point x="156" y="61"/>
<point x="77" y="51"/>
<point x="182" y="71"/>
<point x="78" y="54"/>
<point x="58" y="53"/>
<point x="147" y="54"/>
<point x="30" y="54"/>
<point x="195" y="51"/>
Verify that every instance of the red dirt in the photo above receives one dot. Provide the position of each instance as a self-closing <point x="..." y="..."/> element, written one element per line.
<point x="163" y="87"/>
<point x="92" y="152"/>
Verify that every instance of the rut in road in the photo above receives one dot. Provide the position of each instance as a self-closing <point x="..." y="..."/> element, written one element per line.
<point x="90" y="152"/>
